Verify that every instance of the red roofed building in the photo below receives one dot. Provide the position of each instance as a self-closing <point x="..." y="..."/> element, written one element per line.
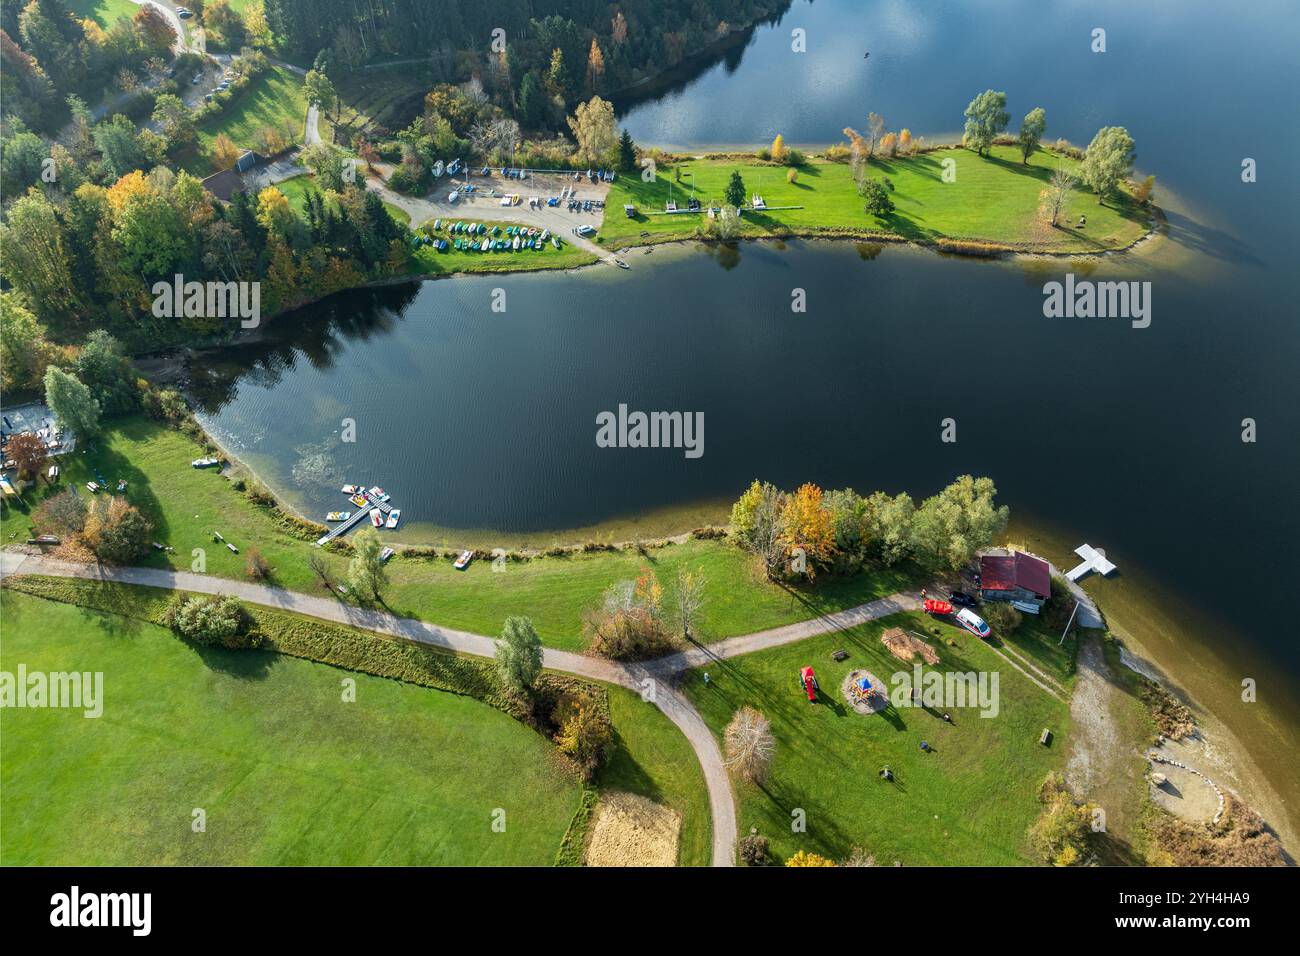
<point x="1015" y="577"/>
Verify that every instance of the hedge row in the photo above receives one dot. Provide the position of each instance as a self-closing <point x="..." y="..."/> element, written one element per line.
<point x="338" y="646"/>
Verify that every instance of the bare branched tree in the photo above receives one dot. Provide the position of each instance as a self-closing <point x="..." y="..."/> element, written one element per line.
<point x="1057" y="193"/>
<point x="688" y="598"/>
<point x="750" y="745"/>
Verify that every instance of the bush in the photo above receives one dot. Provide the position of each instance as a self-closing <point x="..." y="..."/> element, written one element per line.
<point x="629" y="625"/>
<point x="1062" y="834"/>
<point x="1002" y="616"/>
<point x="753" y="850"/>
<point x="215" y="621"/>
<point x="61" y="514"/>
<point x="586" y="734"/>
<point x="116" y="532"/>
<point x="256" y="566"/>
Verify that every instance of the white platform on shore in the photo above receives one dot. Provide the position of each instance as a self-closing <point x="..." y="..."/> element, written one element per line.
<point x="1093" y="560"/>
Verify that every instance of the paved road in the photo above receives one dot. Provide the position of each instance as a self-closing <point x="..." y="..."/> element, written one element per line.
<point x="658" y="675"/>
<point x="675" y="706"/>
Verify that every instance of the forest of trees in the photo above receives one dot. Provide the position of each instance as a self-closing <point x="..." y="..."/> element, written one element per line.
<point x="602" y="46"/>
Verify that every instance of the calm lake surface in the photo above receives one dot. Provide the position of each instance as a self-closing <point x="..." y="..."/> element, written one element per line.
<point x="482" y="425"/>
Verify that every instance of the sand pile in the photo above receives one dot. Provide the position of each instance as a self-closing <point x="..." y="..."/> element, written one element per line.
<point x="629" y="830"/>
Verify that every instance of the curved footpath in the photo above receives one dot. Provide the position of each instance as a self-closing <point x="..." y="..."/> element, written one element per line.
<point x="662" y="672"/>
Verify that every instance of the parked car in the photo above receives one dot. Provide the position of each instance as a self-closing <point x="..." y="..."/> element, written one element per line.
<point x="962" y="599"/>
<point x="184" y="13"/>
<point x="973" y="622"/>
<point x="583" y="230"/>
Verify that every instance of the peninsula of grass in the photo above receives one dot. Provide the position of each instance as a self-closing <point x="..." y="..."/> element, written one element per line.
<point x="187" y="506"/>
<point x="425" y="261"/>
<point x="970" y="800"/>
<point x="285" y="772"/>
<point x="993" y="202"/>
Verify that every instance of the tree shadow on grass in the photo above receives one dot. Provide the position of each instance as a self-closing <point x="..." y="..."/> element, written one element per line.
<point x="243" y="664"/>
<point x="623" y="772"/>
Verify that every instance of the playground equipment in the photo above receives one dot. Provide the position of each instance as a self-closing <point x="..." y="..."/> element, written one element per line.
<point x="862" y="690"/>
<point x="808" y="681"/>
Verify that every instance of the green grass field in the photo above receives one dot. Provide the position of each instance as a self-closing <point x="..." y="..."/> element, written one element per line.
<point x="103" y="12"/>
<point x="653" y="759"/>
<point x="275" y="98"/>
<point x="286" y="772"/>
<point x="969" y="801"/>
<point x="993" y="199"/>
<point x="187" y="505"/>
<point x="428" y="262"/>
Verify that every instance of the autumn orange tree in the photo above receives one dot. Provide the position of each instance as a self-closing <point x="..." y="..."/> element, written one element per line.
<point x="808" y="528"/>
<point x="224" y="152"/>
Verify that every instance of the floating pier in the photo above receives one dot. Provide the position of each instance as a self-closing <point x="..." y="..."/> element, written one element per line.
<point x="1093" y="560"/>
<point x="358" y="516"/>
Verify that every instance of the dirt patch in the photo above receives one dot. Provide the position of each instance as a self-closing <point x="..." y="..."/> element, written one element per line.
<point x="629" y="830"/>
<point x="906" y="647"/>
<point x="864" y="703"/>
<point x="1183" y="791"/>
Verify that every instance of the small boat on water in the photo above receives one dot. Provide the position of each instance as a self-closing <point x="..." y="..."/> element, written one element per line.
<point x="338" y="516"/>
<point x="377" y="518"/>
<point x="394" y="516"/>
<point x="205" y="462"/>
<point x="377" y="492"/>
<point x="462" y="562"/>
<point x="350" y="489"/>
<point x="358" y="499"/>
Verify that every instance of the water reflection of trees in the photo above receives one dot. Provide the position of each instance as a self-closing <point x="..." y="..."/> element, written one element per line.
<point x="729" y="52"/>
<point x="316" y="334"/>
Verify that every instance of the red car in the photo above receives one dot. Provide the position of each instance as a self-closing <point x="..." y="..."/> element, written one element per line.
<point x="933" y="606"/>
<point x="808" y="681"/>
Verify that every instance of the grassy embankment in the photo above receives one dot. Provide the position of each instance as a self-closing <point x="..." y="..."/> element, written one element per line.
<point x="275" y="98"/>
<point x="187" y="505"/>
<point x="993" y="200"/>
<point x="970" y="800"/>
<point x="229" y="690"/>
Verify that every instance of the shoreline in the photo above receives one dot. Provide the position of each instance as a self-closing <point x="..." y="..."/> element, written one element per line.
<point x="1226" y="755"/>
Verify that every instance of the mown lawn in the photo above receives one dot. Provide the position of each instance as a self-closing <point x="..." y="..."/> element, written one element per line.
<point x="428" y="262"/>
<point x="103" y="12"/>
<point x="992" y="199"/>
<point x="286" y="772"/>
<point x="187" y="506"/>
<point x="275" y="98"/>
<point x="970" y="801"/>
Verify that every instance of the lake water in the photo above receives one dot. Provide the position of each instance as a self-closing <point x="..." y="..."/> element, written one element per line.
<point x="482" y="425"/>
